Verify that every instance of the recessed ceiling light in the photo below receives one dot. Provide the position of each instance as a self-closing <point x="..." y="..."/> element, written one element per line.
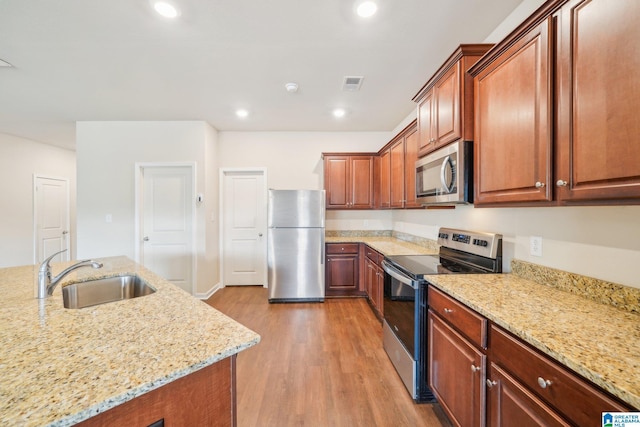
<point x="339" y="113"/>
<point x="242" y="113"/>
<point x="366" y="9"/>
<point x="291" y="87"/>
<point x="166" y="9"/>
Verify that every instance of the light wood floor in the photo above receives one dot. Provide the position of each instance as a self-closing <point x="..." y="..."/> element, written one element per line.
<point x="318" y="364"/>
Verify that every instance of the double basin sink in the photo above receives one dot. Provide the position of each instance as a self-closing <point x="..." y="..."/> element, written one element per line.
<point x="102" y="291"/>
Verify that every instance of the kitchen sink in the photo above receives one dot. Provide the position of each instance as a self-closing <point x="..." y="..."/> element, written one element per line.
<point x="102" y="291"/>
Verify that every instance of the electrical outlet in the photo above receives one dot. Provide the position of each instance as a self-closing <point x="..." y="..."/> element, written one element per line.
<point x="535" y="245"/>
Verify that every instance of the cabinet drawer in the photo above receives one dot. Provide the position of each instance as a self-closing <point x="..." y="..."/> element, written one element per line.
<point x="373" y="255"/>
<point x="465" y="320"/>
<point x="342" y="248"/>
<point x="578" y="400"/>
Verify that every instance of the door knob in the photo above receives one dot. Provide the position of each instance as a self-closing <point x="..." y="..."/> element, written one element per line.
<point x="145" y="238"/>
<point x="259" y="234"/>
<point x="65" y="232"/>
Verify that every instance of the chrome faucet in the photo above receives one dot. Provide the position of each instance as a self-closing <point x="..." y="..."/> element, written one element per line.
<point x="46" y="284"/>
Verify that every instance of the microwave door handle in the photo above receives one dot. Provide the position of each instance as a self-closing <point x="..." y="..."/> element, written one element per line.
<point x="443" y="171"/>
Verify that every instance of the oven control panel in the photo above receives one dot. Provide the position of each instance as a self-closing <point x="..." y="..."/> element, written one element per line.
<point x="483" y="244"/>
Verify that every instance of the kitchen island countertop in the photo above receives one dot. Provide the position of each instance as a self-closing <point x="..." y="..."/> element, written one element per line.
<point x="60" y="366"/>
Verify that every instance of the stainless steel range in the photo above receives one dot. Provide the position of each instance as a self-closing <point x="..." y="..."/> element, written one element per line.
<point x="405" y="298"/>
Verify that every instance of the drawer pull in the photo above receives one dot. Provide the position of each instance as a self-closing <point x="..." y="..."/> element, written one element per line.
<point x="475" y="368"/>
<point x="448" y="310"/>
<point x="490" y="383"/>
<point x="544" y="383"/>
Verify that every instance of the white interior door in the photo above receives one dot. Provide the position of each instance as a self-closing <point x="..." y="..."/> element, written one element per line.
<point x="51" y="218"/>
<point x="167" y="223"/>
<point x="244" y="219"/>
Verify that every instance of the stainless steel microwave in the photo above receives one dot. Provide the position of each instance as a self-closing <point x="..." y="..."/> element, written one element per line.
<point x="445" y="176"/>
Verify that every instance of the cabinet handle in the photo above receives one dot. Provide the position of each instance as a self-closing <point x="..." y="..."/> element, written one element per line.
<point x="490" y="383"/>
<point x="475" y="368"/>
<point x="539" y="184"/>
<point x="544" y="383"/>
<point x="561" y="183"/>
<point x="448" y="310"/>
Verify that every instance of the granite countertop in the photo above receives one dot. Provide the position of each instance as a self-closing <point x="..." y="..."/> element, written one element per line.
<point x="60" y="366"/>
<point x="385" y="245"/>
<point x="598" y="341"/>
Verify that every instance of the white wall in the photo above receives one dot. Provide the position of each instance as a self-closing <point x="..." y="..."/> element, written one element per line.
<point x="293" y="159"/>
<point x="601" y="242"/>
<point x="20" y="159"/>
<point x="106" y="157"/>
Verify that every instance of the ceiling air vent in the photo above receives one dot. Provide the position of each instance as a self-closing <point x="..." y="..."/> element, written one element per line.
<point x="352" y="83"/>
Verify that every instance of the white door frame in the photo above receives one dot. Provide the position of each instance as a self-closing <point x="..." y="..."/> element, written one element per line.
<point x="66" y="256"/>
<point x="139" y="193"/>
<point x="265" y="193"/>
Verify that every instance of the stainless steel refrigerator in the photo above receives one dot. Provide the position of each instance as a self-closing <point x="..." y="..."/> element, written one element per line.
<point x="295" y="237"/>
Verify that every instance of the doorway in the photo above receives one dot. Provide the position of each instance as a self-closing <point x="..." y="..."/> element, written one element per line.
<point x="243" y="226"/>
<point x="165" y="221"/>
<point x="50" y="218"/>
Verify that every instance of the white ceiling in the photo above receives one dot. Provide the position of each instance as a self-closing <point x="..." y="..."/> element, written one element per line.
<point x="117" y="60"/>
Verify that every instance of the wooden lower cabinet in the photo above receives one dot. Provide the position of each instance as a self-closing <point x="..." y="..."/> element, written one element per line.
<point x="342" y="270"/>
<point x="206" y="397"/>
<point x="480" y="372"/>
<point x="374" y="280"/>
<point x="456" y="374"/>
<point x="577" y="400"/>
<point x="509" y="403"/>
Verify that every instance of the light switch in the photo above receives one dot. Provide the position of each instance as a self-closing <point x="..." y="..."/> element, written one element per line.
<point x="108" y="218"/>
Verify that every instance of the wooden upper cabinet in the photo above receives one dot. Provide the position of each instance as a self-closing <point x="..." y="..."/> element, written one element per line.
<point x="397" y="173"/>
<point x="513" y="124"/>
<point x="348" y="181"/>
<point x="397" y="159"/>
<point x="447" y="106"/>
<point x="385" y="179"/>
<point x="445" y="102"/>
<point x="410" y="156"/>
<point x="556" y="108"/>
<point x="426" y="124"/>
<point x="599" y="99"/>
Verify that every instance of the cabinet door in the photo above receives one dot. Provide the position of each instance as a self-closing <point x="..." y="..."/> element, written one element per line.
<point x="410" y="157"/>
<point x="598" y="125"/>
<point x="447" y="107"/>
<point x="379" y="290"/>
<point x="361" y="182"/>
<point x="513" y="124"/>
<point x="385" y="179"/>
<point x="426" y="134"/>
<point x="369" y="278"/>
<point x="397" y="174"/>
<point x="456" y="374"/>
<point x="336" y="181"/>
<point x="341" y="275"/>
<point x="509" y="403"/>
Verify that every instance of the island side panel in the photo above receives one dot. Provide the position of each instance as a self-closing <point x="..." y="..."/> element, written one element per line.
<point x="205" y="397"/>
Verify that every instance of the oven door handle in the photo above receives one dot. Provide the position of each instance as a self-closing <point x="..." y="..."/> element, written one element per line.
<point x="388" y="268"/>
